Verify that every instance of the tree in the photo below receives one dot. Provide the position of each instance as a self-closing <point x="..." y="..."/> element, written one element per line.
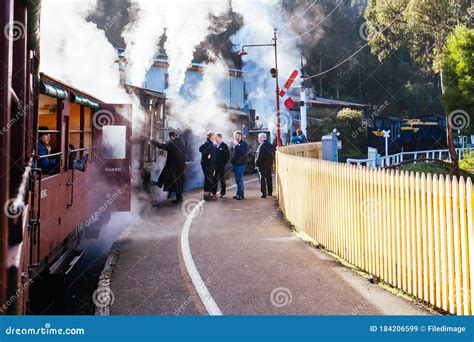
<point x="352" y="132"/>
<point x="420" y="26"/>
<point x="458" y="70"/>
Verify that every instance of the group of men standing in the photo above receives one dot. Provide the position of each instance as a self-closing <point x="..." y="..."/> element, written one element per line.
<point x="214" y="157"/>
<point x="215" y="154"/>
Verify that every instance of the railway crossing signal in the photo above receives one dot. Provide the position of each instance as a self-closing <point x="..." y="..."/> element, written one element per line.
<point x="288" y="83"/>
<point x="289" y="103"/>
<point x="386" y="135"/>
<point x="274" y="72"/>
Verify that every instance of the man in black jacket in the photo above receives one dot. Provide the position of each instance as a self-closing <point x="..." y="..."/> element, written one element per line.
<point x="208" y="160"/>
<point x="264" y="163"/>
<point x="239" y="159"/>
<point x="172" y="175"/>
<point x="222" y="157"/>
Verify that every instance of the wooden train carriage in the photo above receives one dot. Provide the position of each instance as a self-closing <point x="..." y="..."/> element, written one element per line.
<point x="79" y="125"/>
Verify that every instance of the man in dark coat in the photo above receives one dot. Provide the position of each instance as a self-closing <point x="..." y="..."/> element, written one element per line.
<point x="208" y="159"/>
<point x="239" y="159"/>
<point x="172" y="175"/>
<point x="264" y="163"/>
<point x="222" y="157"/>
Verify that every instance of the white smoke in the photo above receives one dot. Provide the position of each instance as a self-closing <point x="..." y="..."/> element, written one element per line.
<point x="202" y="109"/>
<point x="187" y="24"/>
<point x="141" y="38"/>
<point x="260" y="18"/>
<point x="77" y="52"/>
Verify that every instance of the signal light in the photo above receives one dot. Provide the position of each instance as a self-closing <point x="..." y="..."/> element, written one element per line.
<point x="274" y="72"/>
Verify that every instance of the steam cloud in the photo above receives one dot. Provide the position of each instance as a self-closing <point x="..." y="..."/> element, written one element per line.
<point x="260" y="20"/>
<point x="79" y="53"/>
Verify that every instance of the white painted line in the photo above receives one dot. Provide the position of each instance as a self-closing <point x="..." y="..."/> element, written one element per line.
<point x="199" y="284"/>
<point x="235" y="185"/>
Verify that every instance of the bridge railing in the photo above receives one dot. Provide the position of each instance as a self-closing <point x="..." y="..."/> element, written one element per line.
<point x="413" y="231"/>
<point x="398" y="158"/>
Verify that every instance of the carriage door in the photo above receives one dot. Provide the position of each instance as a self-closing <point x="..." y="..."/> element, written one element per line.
<point x="112" y="136"/>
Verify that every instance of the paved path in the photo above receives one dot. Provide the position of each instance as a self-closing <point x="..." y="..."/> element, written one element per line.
<point x="235" y="258"/>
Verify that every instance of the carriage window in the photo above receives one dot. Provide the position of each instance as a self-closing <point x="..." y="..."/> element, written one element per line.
<point x="114" y="142"/>
<point x="49" y="139"/>
<point x="75" y="127"/>
<point x="80" y="130"/>
<point x="87" y="141"/>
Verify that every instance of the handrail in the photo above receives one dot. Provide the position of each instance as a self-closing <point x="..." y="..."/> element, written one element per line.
<point x="48" y="131"/>
<point x="19" y="201"/>
<point x="81" y="149"/>
<point x="49" y="155"/>
<point x="35" y="223"/>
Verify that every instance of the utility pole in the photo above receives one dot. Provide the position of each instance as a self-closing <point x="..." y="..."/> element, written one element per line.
<point x="277" y="90"/>
<point x="274" y="73"/>
<point x="303" y="101"/>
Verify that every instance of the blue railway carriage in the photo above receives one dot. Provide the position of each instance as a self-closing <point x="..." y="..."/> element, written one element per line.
<point x="426" y="133"/>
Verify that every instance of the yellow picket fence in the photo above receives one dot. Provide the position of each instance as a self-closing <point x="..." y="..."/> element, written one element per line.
<point x="413" y="231"/>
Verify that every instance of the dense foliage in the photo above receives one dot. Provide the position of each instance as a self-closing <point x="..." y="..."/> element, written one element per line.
<point x="458" y="70"/>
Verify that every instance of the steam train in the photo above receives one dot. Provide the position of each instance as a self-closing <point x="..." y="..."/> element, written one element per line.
<point x="426" y="133"/>
<point x="44" y="210"/>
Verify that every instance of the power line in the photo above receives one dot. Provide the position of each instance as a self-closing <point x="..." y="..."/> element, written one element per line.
<point x="318" y="24"/>
<point x="355" y="53"/>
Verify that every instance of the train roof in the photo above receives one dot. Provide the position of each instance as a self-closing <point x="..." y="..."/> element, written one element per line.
<point x="147" y="91"/>
<point x="68" y="88"/>
<point x="34" y="15"/>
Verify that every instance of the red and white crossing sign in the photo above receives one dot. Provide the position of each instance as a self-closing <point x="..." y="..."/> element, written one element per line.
<point x="288" y="83"/>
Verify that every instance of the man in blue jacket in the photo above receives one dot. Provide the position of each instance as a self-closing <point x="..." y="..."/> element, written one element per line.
<point x="45" y="163"/>
<point x="239" y="159"/>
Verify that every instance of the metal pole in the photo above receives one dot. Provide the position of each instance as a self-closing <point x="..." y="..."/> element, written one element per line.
<point x="303" y="102"/>
<point x="277" y="91"/>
